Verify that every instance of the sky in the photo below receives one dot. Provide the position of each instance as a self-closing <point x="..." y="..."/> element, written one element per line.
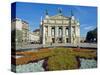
<point x="32" y="12"/>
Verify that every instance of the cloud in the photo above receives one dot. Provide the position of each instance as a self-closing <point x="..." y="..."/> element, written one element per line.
<point x="83" y="25"/>
<point x="85" y="28"/>
<point x="89" y="27"/>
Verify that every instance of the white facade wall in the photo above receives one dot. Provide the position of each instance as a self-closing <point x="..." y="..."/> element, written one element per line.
<point x="63" y="30"/>
<point x="33" y="37"/>
<point x="16" y="24"/>
<point x="19" y="25"/>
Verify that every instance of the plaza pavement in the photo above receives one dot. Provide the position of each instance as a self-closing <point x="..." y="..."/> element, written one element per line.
<point x="36" y="46"/>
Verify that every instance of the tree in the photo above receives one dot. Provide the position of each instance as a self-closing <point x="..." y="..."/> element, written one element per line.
<point x="92" y="36"/>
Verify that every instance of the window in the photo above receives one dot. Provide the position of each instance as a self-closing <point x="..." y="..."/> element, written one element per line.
<point x="66" y="40"/>
<point x="52" y="31"/>
<point x="60" y="31"/>
<point x="67" y="31"/>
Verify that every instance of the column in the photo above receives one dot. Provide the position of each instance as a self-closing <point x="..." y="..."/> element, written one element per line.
<point x="43" y="35"/>
<point x="77" y="34"/>
<point x="49" y="34"/>
<point x="63" y="31"/>
<point x="70" y="34"/>
<point x="76" y="38"/>
<point x="56" y="34"/>
<point x="49" y="31"/>
<point x="56" y="31"/>
<point x="64" y="37"/>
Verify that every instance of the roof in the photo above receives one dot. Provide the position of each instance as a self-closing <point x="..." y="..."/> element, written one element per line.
<point x="58" y="16"/>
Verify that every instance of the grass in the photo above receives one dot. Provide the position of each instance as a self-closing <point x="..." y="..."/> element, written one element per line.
<point x="65" y="58"/>
<point x="58" y="58"/>
<point x="62" y="62"/>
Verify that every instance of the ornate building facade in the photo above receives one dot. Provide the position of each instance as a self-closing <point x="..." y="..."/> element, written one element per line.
<point x="59" y="29"/>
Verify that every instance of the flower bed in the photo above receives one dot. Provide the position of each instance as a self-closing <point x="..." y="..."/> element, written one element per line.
<point x="58" y="58"/>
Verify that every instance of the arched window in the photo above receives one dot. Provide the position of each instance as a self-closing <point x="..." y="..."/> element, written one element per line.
<point x="66" y="31"/>
<point x="53" y="31"/>
<point x="60" y="31"/>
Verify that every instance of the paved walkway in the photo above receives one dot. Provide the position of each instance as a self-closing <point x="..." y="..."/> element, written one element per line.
<point x="35" y="46"/>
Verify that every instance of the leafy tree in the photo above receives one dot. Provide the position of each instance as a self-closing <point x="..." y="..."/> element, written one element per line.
<point x="92" y="36"/>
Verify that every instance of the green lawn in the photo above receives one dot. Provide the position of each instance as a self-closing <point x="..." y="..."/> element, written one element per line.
<point x="65" y="58"/>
